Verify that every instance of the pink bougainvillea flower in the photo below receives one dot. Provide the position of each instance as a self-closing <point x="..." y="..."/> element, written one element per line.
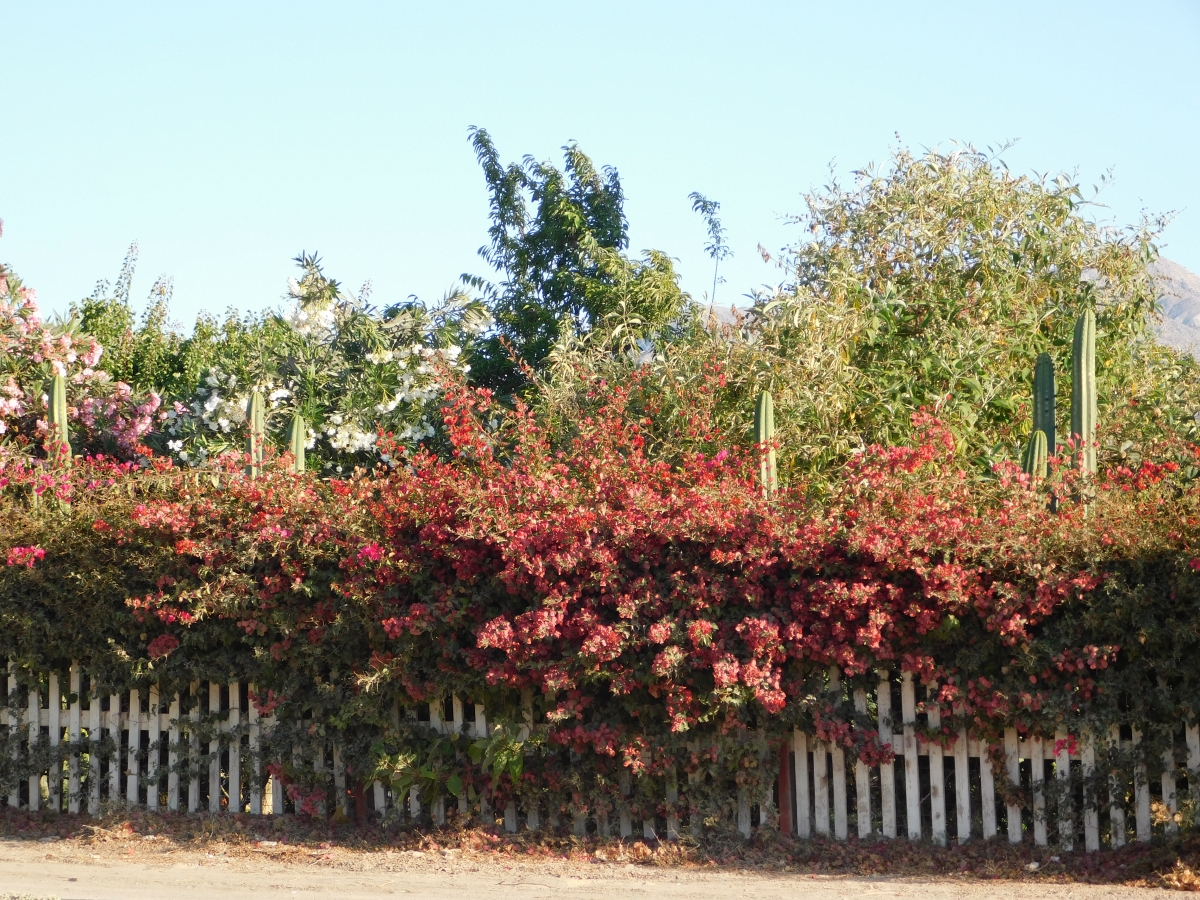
<point x="25" y="556"/>
<point x="162" y="646"/>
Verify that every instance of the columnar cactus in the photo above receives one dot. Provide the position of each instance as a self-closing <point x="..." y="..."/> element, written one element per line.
<point x="1083" y="389"/>
<point x="1036" y="459"/>
<point x="297" y="440"/>
<point x="1043" y="400"/>
<point x="60" y="441"/>
<point x="764" y="435"/>
<point x="257" y="434"/>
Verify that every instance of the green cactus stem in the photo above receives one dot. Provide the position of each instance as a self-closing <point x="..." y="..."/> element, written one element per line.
<point x="60" y="440"/>
<point x="764" y="434"/>
<point x="297" y="440"/>
<point x="257" y="433"/>
<point x="1036" y="462"/>
<point x="1083" y="389"/>
<point x="1043" y="400"/>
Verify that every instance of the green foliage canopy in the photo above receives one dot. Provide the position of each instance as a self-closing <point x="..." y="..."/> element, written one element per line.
<point x="932" y="283"/>
<point x="557" y="240"/>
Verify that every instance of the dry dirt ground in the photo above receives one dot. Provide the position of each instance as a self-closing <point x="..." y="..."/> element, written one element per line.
<point x="74" y="871"/>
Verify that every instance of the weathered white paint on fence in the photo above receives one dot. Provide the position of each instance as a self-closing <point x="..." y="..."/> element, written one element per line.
<point x="1012" y="757"/>
<point x="800" y="793"/>
<point x="116" y="756"/>
<point x="887" y="774"/>
<point x="912" y="775"/>
<point x="962" y="786"/>
<point x="1038" y="773"/>
<point x="862" y="776"/>
<point x="1066" y="808"/>
<point x="1091" y="815"/>
<point x="937" y="777"/>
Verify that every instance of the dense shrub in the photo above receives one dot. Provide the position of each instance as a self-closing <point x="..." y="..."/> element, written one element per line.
<point x="933" y="281"/>
<point x="653" y="614"/>
<point x="347" y="366"/>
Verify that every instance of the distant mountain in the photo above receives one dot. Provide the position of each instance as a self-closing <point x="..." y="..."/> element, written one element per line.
<point x="1179" y="300"/>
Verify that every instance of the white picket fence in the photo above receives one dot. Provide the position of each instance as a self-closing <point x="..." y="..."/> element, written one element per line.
<point x="819" y="774"/>
<point x="136" y="723"/>
<point x="186" y="765"/>
<point x="167" y="759"/>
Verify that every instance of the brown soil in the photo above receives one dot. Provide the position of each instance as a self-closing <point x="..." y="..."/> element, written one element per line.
<point x="183" y="857"/>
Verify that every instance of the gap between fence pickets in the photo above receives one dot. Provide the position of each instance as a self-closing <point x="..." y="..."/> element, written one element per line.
<point x="818" y="788"/>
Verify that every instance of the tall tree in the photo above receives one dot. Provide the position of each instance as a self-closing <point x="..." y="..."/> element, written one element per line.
<point x="557" y="242"/>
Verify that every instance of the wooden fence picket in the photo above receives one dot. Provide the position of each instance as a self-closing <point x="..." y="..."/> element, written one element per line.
<point x="193" y="763"/>
<point x="800" y="783"/>
<point x="912" y="771"/>
<point x="1038" y="778"/>
<point x="862" y="776"/>
<point x="1012" y="759"/>
<point x="154" y="728"/>
<point x="987" y="793"/>
<point x="94" y="738"/>
<point x="887" y="772"/>
<point x="339" y="782"/>
<point x="672" y="799"/>
<point x="214" y="750"/>
<point x="54" y="724"/>
<point x="962" y="786"/>
<point x="277" y="797"/>
<point x="114" y="761"/>
<point x="255" y="792"/>
<point x="937" y="778"/>
<point x="1116" y="794"/>
<point x="1091" y="815"/>
<point x="1191" y="735"/>
<point x="13" y="721"/>
<point x="135" y="746"/>
<point x="1062" y="771"/>
<point x="34" y="718"/>
<point x="837" y="761"/>
<point x="1141" y="793"/>
<point x="1170" y="801"/>
<point x="74" y="736"/>
<point x="233" y="728"/>
<point x="625" y="786"/>
<point x="174" y="736"/>
<point x="841" y="821"/>
<point x="820" y="759"/>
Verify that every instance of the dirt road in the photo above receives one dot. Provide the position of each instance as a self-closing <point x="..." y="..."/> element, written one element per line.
<point x="74" y="872"/>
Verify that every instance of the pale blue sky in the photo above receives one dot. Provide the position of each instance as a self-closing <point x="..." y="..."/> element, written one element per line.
<point x="227" y="137"/>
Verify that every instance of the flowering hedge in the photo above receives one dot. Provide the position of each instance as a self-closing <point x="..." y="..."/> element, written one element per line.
<point x="656" y="614"/>
<point x="105" y="413"/>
